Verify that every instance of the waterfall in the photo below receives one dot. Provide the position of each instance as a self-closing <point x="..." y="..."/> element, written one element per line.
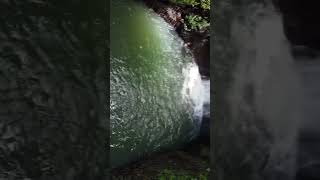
<point x="206" y="97"/>
<point x="264" y="98"/>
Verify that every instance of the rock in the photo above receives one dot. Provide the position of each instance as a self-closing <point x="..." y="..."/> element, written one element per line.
<point x="205" y="129"/>
<point x="300" y="20"/>
<point x="311" y="172"/>
<point x="199" y="45"/>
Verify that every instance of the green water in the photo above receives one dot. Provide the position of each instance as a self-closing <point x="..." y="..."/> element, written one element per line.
<point x="148" y="112"/>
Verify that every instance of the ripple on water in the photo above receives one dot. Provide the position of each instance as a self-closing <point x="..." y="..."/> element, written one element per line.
<point x="149" y="110"/>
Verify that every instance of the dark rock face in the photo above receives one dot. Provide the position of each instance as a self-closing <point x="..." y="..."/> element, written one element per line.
<point x="170" y="13"/>
<point x="52" y="118"/>
<point x="301" y="21"/>
<point x="199" y="44"/>
<point x="309" y="164"/>
<point x="205" y="130"/>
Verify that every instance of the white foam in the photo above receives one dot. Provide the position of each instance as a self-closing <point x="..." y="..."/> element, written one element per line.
<point x="193" y="90"/>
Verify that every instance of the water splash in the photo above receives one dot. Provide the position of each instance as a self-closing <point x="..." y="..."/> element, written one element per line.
<point x="206" y="98"/>
<point x="195" y="91"/>
<point x="265" y="94"/>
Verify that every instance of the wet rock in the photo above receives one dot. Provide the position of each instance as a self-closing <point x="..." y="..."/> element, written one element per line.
<point x="205" y="129"/>
<point x="170" y="13"/>
<point x="305" y="53"/>
<point x="199" y="45"/>
<point x="300" y="20"/>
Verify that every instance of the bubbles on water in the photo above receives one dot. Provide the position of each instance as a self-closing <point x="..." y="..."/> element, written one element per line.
<point x="147" y="110"/>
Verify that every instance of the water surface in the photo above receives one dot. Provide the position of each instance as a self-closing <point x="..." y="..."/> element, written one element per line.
<point x="152" y="80"/>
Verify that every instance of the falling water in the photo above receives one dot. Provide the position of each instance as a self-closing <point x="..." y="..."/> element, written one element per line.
<point x="264" y="98"/>
<point x="193" y="90"/>
<point x="206" y="98"/>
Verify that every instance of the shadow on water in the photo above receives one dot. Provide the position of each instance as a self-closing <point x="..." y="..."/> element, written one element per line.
<point x="52" y="90"/>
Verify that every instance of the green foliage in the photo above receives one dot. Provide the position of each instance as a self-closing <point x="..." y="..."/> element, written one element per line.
<point x="204" y="4"/>
<point x="196" y="22"/>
